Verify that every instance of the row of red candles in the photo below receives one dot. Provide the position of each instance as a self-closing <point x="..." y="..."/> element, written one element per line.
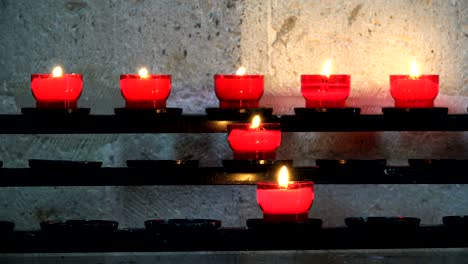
<point x="282" y="201"/>
<point x="149" y="91"/>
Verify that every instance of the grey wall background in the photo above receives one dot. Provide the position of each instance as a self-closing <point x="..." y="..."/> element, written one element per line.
<point x="193" y="40"/>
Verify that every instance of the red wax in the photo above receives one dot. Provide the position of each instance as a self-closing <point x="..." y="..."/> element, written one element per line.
<point x="414" y="92"/>
<point x="151" y="91"/>
<point x="289" y="204"/>
<point x="321" y="91"/>
<point x="254" y="143"/>
<point x="56" y="92"/>
<point x="238" y="91"/>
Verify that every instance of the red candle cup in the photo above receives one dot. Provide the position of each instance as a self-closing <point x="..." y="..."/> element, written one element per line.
<point x="145" y="91"/>
<point x="259" y="143"/>
<point x="321" y="91"/>
<point x="238" y="91"/>
<point x="414" y="92"/>
<point x="285" y="201"/>
<point x="57" y="90"/>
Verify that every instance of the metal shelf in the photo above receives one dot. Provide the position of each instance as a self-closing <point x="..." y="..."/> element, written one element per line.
<point x="112" y="124"/>
<point x="10" y="177"/>
<point x="232" y="239"/>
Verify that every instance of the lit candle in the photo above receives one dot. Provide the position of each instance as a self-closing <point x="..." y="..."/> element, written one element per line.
<point x="144" y="90"/>
<point x="325" y="90"/>
<point x="414" y="90"/>
<point x="239" y="90"/>
<point x="254" y="141"/>
<point x="57" y="90"/>
<point x="284" y="200"/>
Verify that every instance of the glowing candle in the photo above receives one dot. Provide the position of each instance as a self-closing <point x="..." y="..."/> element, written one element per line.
<point x="57" y="90"/>
<point x="254" y="141"/>
<point x="325" y="90"/>
<point x="144" y="90"/>
<point x="414" y="90"/>
<point x="239" y="90"/>
<point x="284" y="200"/>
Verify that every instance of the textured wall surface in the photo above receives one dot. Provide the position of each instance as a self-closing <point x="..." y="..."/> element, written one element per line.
<point x="193" y="40"/>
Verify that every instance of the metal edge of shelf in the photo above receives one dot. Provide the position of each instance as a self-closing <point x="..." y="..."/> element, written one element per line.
<point x="109" y="124"/>
<point x="234" y="239"/>
<point x="17" y="177"/>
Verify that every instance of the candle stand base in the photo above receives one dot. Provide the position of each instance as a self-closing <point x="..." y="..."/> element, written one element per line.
<point x="346" y="112"/>
<point x="456" y="222"/>
<point x="353" y="164"/>
<point x="73" y="105"/>
<point x="6" y="227"/>
<point x="78" y="226"/>
<point x="259" y="155"/>
<point x="414" y="103"/>
<point x="54" y="112"/>
<point x="189" y="233"/>
<point x="236" y="165"/>
<point x="383" y="223"/>
<point x="325" y="103"/>
<point x="162" y="163"/>
<point x="239" y="113"/>
<point x="150" y="112"/>
<point x="180" y="225"/>
<point x="439" y="164"/>
<point x="288" y="218"/>
<point x="273" y="228"/>
<point x="239" y="104"/>
<point x="63" y="164"/>
<point x="402" y="114"/>
<point x="145" y="104"/>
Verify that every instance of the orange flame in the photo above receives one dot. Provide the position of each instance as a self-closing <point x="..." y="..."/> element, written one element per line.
<point x="143" y="72"/>
<point x="57" y="71"/>
<point x="283" y="177"/>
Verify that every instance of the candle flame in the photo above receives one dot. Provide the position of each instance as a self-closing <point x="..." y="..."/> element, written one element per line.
<point x="143" y="72"/>
<point x="241" y="71"/>
<point x="326" y="69"/>
<point x="414" y="70"/>
<point x="57" y="71"/>
<point x="255" y="122"/>
<point x="283" y="177"/>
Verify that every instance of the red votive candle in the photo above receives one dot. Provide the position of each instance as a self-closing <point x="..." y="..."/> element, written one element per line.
<point x="285" y="201"/>
<point x="239" y="90"/>
<point x="57" y="90"/>
<point x="414" y="90"/>
<point x="325" y="90"/>
<point x="255" y="141"/>
<point x="145" y="91"/>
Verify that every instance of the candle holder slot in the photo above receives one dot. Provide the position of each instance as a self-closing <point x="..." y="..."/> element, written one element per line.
<point x="6" y="227"/>
<point x="338" y="113"/>
<point x="273" y="228"/>
<point x="187" y="233"/>
<point x="410" y="114"/>
<point x="246" y="165"/>
<point x="183" y="225"/>
<point x="456" y="222"/>
<point x="79" y="226"/>
<point x="55" y="112"/>
<point x="162" y="163"/>
<point x="439" y="163"/>
<point x="351" y="164"/>
<point x="382" y="223"/>
<point x="142" y="113"/>
<point x="238" y="113"/>
<point x="63" y="164"/>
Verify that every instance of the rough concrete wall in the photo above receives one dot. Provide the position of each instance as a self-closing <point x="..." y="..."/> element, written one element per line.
<point x="193" y="40"/>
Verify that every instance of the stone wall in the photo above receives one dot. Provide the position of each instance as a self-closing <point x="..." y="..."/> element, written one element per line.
<point x="193" y="40"/>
